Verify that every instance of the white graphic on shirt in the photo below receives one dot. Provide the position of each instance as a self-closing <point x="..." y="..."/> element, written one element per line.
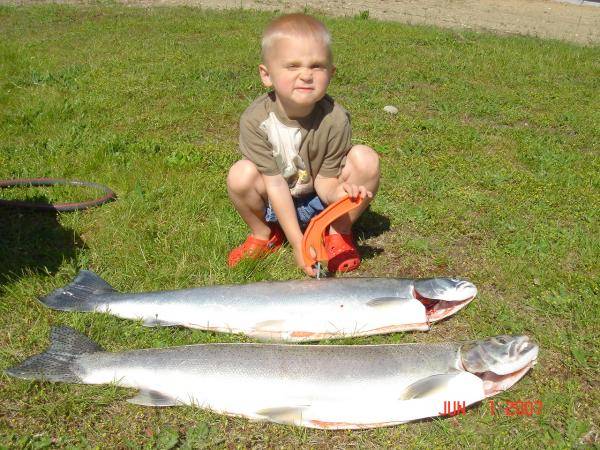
<point x="286" y="145"/>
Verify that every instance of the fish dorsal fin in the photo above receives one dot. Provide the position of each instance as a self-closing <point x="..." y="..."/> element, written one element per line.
<point x="387" y="301"/>
<point x="283" y="414"/>
<point x="147" y="397"/>
<point x="444" y="386"/>
<point x="156" y="322"/>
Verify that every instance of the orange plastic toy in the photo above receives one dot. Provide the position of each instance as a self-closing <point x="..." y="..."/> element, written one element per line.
<point x="313" y="248"/>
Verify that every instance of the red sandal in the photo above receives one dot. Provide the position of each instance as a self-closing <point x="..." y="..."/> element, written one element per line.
<point x="254" y="248"/>
<point x="342" y="253"/>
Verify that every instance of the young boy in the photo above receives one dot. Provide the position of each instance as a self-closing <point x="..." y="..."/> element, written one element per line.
<point x="297" y="151"/>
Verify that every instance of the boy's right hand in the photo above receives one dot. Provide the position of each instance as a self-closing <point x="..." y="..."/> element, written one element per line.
<point x="283" y="205"/>
<point x="298" y="256"/>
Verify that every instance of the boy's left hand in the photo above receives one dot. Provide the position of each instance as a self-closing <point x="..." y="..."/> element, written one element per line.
<point x="354" y="191"/>
<point x="330" y="190"/>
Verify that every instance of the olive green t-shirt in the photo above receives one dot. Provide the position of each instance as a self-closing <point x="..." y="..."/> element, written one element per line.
<point x="297" y="149"/>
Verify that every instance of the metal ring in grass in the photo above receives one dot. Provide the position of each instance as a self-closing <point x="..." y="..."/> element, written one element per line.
<point x="71" y="206"/>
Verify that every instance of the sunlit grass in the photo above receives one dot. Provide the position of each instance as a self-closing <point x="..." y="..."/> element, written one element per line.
<point x="490" y="172"/>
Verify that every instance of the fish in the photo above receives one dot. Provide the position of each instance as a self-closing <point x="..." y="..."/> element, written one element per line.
<point x="292" y="311"/>
<point x="315" y="386"/>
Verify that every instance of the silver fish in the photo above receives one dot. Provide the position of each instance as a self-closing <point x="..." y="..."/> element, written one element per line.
<point x="317" y="386"/>
<point x="300" y="310"/>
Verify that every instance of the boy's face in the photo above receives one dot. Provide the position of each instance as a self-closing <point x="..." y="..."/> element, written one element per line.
<point x="299" y="70"/>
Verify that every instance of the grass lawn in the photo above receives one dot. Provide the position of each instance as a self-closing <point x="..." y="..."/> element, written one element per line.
<point x="490" y="172"/>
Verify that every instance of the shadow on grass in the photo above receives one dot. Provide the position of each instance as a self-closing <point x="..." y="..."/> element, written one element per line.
<point x="33" y="241"/>
<point x="370" y="224"/>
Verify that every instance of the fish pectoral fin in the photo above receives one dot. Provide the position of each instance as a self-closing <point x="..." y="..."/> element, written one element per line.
<point x="444" y="386"/>
<point x="147" y="397"/>
<point x="270" y="325"/>
<point x="283" y="414"/>
<point x="387" y="301"/>
<point x="156" y="322"/>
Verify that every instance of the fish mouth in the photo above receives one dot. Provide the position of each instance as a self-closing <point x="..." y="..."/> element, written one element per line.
<point x="443" y="297"/>
<point x="437" y="310"/>
<point x="494" y="383"/>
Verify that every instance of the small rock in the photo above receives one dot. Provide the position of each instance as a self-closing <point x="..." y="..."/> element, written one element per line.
<point x="390" y="109"/>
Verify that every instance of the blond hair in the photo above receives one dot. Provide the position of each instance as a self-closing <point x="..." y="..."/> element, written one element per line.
<point x="295" y="25"/>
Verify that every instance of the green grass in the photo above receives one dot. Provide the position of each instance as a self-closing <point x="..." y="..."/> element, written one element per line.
<point x="490" y="172"/>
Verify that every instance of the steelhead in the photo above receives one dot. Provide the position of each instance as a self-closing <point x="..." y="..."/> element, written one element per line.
<point x="294" y="311"/>
<point x="317" y="386"/>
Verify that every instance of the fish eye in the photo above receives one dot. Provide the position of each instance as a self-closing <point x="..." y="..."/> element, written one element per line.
<point x="503" y="339"/>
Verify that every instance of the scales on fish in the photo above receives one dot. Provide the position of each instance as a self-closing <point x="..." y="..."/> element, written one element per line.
<point x="317" y="386"/>
<point x="294" y="311"/>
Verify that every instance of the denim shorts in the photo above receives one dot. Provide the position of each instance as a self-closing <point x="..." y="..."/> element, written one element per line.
<point x="306" y="208"/>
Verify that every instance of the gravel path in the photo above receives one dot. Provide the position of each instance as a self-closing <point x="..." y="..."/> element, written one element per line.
<point x="544" y="18"/>
<point x="569" y="20"/>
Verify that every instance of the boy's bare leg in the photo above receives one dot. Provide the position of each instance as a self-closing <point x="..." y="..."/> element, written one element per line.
<point x="248" y="194"/>
<point x="247" y="190"/>
<point x="361" y="169"/>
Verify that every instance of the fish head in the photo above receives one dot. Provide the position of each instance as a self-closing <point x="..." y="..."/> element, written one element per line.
<point x="500" y="361"/>
<point x="443" y="297"/>
<point x="445" y="289"/>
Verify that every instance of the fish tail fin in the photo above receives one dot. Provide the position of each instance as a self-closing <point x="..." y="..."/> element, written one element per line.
<point x="80" y="294"/>
<point x="56" y="363"/>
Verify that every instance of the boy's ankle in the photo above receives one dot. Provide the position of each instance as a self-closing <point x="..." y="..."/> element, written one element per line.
<point x="344" y="231"/>
<point x="264" y="234"/>
<point x="255" y="248"/>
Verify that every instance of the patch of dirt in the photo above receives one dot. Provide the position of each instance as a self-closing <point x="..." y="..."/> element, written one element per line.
<point x="570" y="20"/>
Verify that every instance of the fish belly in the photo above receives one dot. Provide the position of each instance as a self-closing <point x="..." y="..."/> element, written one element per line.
<point x="292" y="321"/>
<point x="262" y="391"/>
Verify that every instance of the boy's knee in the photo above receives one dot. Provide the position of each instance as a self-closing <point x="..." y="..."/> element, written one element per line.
<point x="242" y="175"/>
<point x="365" y="160"/>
